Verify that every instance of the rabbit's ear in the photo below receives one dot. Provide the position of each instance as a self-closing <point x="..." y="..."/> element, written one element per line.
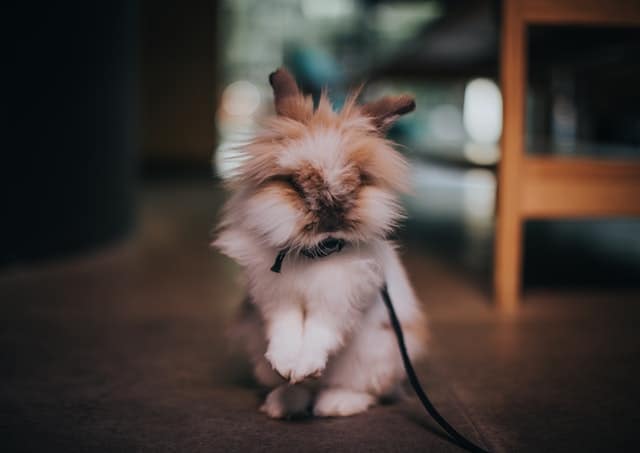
<point x="289" y="101"/>
<point x="384" y="112"/>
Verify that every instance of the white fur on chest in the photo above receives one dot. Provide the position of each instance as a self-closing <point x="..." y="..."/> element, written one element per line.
<point x="352" y="276"/>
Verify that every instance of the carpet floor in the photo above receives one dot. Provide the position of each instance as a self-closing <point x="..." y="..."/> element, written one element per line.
<point x="124" y="350"/>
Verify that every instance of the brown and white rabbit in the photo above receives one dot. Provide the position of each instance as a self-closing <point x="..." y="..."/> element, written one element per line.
<point x="313" y="182"/>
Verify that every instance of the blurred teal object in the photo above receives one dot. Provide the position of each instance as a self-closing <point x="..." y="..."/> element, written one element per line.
<point x="315" y="69"/>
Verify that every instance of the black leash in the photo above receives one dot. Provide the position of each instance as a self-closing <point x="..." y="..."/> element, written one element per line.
<point x="415" y="383"/>
<point x="331" y="245"/>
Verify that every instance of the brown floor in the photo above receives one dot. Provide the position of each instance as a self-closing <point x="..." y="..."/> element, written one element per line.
<point x="124" y="350"/>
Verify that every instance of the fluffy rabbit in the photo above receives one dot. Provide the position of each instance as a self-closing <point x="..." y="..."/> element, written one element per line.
<point x="318" y="190"/>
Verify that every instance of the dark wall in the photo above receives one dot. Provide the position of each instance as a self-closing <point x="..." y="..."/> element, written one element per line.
<point x="70" y="151"/>
<point x="94" y="89"/>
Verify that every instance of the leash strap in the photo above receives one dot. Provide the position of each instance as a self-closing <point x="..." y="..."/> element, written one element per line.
<point x="277" y="265"/>
<point x="415" y="383"/>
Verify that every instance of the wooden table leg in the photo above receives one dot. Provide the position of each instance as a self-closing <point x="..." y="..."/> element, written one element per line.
<point x="508" y="242"/>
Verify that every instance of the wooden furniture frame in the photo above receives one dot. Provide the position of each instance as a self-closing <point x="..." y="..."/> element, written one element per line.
<point x="550" y="187"/>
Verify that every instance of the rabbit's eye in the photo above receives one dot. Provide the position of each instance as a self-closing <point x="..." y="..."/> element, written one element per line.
<point x="365" y="179"/>
<point x="290" y="181"/>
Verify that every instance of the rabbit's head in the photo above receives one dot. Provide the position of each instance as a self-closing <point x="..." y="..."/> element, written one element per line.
<point x="312" y="173"/>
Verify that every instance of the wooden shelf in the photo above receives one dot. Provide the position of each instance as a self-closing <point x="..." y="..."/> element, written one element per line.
<point x="550" y="187"/>
<point x="602" y="12"/>
<point x="557" y="187"/>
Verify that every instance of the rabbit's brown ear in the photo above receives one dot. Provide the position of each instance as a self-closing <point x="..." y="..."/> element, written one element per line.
<point x="384" y="112"/>
<point x="289" y="101"/>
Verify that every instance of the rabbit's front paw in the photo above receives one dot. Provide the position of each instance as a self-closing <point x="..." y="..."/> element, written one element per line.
<point x="283" y="357"/>
<point x="309" y="365"/>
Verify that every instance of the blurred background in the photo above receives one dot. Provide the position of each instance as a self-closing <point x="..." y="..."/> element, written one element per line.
<point x="165" y="91"/>
<point x="122" y="125"/>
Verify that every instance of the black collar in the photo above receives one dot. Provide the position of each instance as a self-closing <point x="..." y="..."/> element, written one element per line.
<point x="320" y="250"/>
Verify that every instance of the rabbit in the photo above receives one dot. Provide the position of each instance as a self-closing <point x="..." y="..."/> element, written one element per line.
<point x="318" y="192"/>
